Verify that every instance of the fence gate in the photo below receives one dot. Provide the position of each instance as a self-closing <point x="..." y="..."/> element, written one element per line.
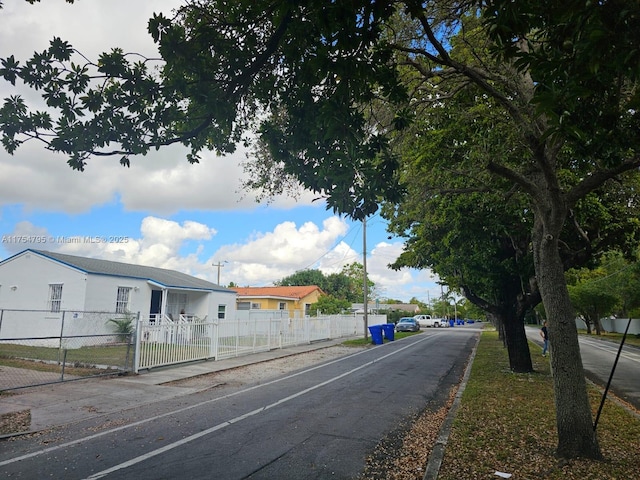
<point x="165" y="343"/>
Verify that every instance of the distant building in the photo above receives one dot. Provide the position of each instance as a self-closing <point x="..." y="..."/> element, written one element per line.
<point x="386" y="307"/>
<point x="297" y="300"/>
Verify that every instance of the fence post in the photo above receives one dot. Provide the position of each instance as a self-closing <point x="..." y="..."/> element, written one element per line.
<point x="61" y="335"/>
<point x="136" y="352"/>
<point x="64" y="362"/>
<point x="1" y="315"/>
<point x="307" y="327"/>
<point x="215" y="338"/>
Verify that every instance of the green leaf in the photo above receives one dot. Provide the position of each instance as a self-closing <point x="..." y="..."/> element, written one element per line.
<point x="10" y="69"/>
<point x="60" y="50"/>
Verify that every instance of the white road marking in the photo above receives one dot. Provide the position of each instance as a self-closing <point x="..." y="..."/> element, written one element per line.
<point x="222" y="425"/>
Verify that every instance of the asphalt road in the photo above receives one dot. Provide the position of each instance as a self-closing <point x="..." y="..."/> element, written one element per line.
<point x="598" y="358"/>
<point x="318" y="423"/>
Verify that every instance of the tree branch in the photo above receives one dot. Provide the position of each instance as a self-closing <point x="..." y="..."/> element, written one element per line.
<point x="599" y="177"/>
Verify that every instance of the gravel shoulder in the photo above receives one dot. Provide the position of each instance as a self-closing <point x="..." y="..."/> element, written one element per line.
<point x="264" y="371"/>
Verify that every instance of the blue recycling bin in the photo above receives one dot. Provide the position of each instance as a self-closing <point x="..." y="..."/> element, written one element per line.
<point x="376" y="334"/>
<point x="388" y="329"/>
<point x="451" y="322"/>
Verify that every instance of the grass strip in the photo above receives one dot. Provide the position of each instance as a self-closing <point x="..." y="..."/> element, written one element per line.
<point x="99" y="354"/>
<point x="506" y="423"/>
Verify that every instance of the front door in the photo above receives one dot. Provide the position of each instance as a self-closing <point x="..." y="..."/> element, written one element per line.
<point x="156" y="302"/>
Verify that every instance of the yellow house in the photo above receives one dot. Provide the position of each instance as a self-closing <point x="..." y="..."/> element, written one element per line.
<point x="297" y="300"/>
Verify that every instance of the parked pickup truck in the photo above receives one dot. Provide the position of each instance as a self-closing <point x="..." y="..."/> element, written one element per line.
<point x="427" y="321"/>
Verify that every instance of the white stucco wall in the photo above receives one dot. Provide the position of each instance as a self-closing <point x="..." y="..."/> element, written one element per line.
<point x="24" y="286"/>
<point x="102" y="293"/>
<point x="222" y="298"/>
<point x="31" y="275"/>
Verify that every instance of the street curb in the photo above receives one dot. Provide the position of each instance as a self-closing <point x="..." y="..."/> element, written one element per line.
<point x="437" y="453"/>
<point x="6" y="436"/>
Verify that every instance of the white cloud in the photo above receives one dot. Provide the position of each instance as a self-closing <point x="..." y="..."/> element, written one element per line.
<point x="25" y="235"/>
<point x="258" y="260"/>
<point x="162" y="182"/>
<point x="269" y="256"/>
<point x="167" y="232"/>
<point x="173" y="184"/>
<point x="90" y="26"/>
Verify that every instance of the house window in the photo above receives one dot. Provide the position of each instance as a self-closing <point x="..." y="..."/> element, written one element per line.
<point x="282" y="306"/>
<point x="244" y="306"/>
<point x="55" y="297"/>
<point x="307" y="309"/>
<point x="122" y="300"/>
<point x="222" y="312"/>
<point x="255" y="306"/>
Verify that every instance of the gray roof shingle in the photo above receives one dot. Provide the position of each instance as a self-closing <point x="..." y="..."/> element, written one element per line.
<point x="162" y="276"/>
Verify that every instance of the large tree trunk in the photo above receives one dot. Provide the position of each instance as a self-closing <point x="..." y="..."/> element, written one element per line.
<point x="517" y="345"/>
<point x="574" y="422"/>
<point x="508" y="318"/>
<point x="587" y="322"/>
<point x="598" y="325"/>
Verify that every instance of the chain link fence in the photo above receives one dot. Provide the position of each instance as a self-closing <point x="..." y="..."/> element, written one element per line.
<point x="41" y="347"/>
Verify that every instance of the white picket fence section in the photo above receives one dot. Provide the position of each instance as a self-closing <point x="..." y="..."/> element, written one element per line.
<point x="161" y="341"/>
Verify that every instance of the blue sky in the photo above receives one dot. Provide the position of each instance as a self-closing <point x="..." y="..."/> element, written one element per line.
<point x="163" y="211"/>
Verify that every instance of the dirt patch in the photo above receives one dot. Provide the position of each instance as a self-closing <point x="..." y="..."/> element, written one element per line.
<point x="404" y="453"/>
<point x="264" y="371"/>
<point x="15" y="422"/>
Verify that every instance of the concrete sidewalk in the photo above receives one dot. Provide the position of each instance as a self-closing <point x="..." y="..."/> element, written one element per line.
<point x="62" y="403"/>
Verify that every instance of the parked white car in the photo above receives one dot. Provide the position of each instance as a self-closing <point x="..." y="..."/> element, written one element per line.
<point x="427" y="321"/>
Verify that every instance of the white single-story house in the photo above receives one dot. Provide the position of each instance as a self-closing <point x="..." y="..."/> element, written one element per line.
<point x="56" y="282"/>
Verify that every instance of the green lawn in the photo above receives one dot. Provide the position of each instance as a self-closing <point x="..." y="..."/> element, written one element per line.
<point x="506" y="423"/>
<point x="114" y="355"/>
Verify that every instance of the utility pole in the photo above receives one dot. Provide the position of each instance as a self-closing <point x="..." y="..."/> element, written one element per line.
<point x="219" y="265"/>
<point x="366" y="286"/>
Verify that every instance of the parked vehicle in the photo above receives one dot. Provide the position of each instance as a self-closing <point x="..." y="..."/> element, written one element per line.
<point x="427" y="321"/>
<point x="407" y="324"/>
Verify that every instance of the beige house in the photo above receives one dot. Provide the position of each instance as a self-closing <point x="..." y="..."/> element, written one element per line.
<point x="297" y="300"/>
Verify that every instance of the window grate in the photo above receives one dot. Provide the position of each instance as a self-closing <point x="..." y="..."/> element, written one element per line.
<point x="55" y="297"/>
<point x="122" y="300"/>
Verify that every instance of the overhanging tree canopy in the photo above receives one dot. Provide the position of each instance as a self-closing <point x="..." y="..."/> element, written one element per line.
<point x="302" y="75"/>
<point x="299" y="74"/>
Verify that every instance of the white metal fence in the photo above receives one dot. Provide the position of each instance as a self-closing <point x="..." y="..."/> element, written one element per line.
<point x="617" y="325"/>
<point x="161" y="341"/>
<point x="93" y="339"/>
